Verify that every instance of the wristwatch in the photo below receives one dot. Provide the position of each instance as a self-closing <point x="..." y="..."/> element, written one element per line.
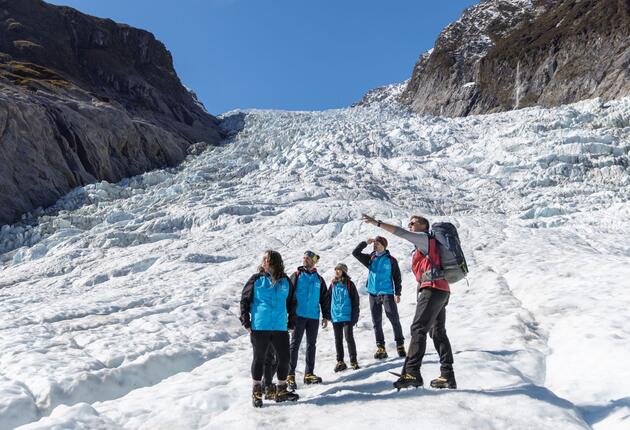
<point x="378" y="222"/>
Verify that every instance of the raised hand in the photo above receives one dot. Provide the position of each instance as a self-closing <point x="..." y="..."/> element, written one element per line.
<point x="368" y="219"/>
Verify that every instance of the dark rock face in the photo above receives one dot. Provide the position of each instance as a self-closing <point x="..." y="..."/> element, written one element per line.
<point x="84" y="99"/>
<point x="509" y="54"/>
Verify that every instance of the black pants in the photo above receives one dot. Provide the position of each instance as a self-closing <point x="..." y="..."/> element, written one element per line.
<point x="430" y="318"/>
<point x="342" y="329"/>
<point x="311" y="327"/>
<point x="271" y="366"/>
<point x="262" y="342"/>
<point x="377" y="303"/>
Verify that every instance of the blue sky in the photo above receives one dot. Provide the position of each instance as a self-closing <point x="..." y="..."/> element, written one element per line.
<point x="285" y="54"/>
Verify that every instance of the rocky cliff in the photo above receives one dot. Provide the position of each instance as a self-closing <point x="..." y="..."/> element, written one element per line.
<point x="508" y="54"/>
<point x="84" y="99"/>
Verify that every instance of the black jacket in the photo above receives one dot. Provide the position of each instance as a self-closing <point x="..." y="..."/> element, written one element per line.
<point x="323" y="304"/>
<point x="366" y="260"/>
<point x="247" y="297"/>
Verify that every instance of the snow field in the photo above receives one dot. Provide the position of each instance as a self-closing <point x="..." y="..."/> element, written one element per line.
<point x="120" y="304"/>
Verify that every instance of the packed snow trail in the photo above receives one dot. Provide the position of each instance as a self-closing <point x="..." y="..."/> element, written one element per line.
<point x="119" y="306"/>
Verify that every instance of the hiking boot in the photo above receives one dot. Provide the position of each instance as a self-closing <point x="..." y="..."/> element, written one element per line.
<point x="291" y="382"/>
<point x="354" y="365"/>
<point x="400" y="349"/>
<point x="311" y="378"/>
<point x="284" y="395"/>
<point x="380" y="353"/>
<point x="407" y="380"/>
<point x="257" y="396"/>
<point x="340" y="366"/>
<point x="444" y="382"/>
<point x="270" y="392"/>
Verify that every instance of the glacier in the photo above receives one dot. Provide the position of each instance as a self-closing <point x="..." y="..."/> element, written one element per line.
<point x="119" y="304"/>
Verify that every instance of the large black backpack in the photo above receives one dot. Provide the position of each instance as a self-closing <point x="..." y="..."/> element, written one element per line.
<point x="454" y="265"/>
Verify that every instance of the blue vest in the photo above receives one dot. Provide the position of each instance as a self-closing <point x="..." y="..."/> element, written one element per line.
<point x="307" y="293"/>
<point x="340" y="304"/>
<point x="269" y="308"/>
<point x="380" y="276"/>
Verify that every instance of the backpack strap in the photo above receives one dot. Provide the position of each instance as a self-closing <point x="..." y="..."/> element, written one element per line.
<point x="436" y="272"/>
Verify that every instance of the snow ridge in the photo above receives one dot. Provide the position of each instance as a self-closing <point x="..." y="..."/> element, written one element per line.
<point x="385" y="97"/>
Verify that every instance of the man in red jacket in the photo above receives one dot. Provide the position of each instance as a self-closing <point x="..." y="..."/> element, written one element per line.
<point x="430" y="317"/>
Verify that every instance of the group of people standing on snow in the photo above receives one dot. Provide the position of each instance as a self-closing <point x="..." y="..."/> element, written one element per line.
<point x="273" y="304"/>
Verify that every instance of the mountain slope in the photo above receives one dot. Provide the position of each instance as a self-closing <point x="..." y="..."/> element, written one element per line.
<point x="120" y="303"/>
<point x="508" y="54"/>
<point x="85" y="99"/>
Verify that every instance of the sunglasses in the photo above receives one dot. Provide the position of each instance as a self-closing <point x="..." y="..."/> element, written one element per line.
<point x="411" y="223"/>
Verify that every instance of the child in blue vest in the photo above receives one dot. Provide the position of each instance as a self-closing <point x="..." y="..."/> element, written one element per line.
<point x="268" y="312"/>
<point x="343" y="302"/>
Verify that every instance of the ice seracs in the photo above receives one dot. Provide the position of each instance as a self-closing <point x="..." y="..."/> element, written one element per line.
<point x="119" y="305"/>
